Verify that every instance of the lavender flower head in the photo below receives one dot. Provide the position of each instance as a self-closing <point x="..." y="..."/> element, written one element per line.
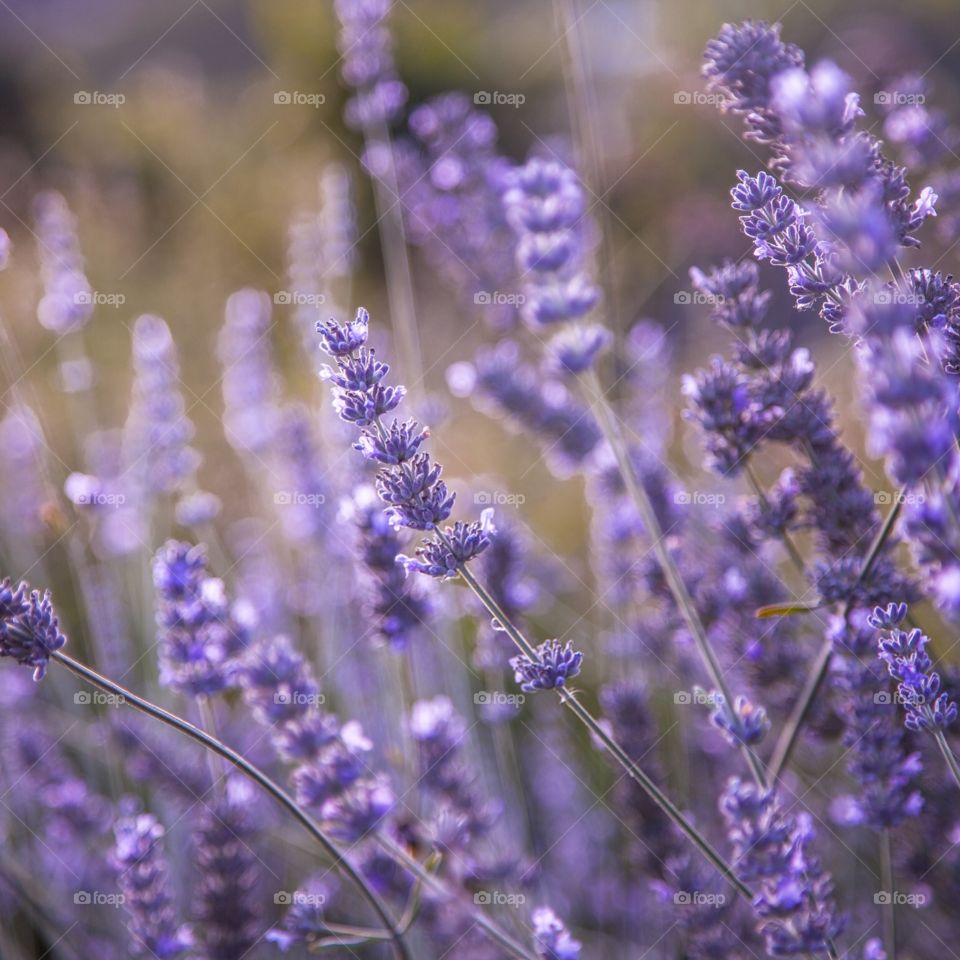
<point x="408" y="481"/>
<point x="29" y="629"/>
<point x="554" y="666"/>
<point x="551" y="939"/>
<point x="143" y="877"/>
<point x="918" y="684"/>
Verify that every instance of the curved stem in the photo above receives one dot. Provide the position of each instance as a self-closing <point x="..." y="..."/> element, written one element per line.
<point x="255" y="774"/>
<point x="569" y="700"/>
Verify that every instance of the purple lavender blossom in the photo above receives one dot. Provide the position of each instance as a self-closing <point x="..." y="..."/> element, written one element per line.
<point x="144" y="880"/>
<point x="554" y="666"/>
<point x="67" y="303"/>
<point x="367" y="66"/>
<point x="545" y="206"/>
<point x="551" y="939"/>
<point x="199" y="639"/>
<point x="159" y="429"/>
<point x="29" y="629"/>
<point x="793" y="902"/>
<point x="918" y="684"/>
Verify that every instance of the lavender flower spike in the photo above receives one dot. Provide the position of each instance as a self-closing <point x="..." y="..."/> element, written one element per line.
<point x="29" y="630"/>
<point x="144" y="882"/>
<point x="551" y="939"/>
<point x="910" y="665"/>
<point x="554" y="666"/>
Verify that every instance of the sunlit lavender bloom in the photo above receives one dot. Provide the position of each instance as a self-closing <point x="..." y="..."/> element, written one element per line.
<point x="451" y="184"/>
<point x="249" y="380"/>
<point x="199" y="639"/>
<point x="793" y="901"/>
<point x="545" y="206"/>
<point x="143" y="878"/>
<point x="918" y="684"/>
<point x="551" y="939"/>
<point x="878" y="755"/>
<point x="228" y="918"/>
<point x="396" y="607"/>
<point x="159" y="430"/>
<point x="740" y="63"/>
<point x="67" y="302"/>
<point x="29" y="629"/>
<point x="499" y="381"/>
<point x="367" y="66"/>
<point x="409" y="482"/>
<point x="554" y="666"/>
<point x="331" y="777"/>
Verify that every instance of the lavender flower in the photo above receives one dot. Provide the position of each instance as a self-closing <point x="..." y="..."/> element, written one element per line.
<point x="918" y="684"/>
<point x="551" y="939"/>
<point x="367" y="66"/>
<point x="29" y="629"/>
<point x="743" y="723"/>
<point x="159" y="428"/>
<point x="67" y="303"/>
<point x="554" y="666"/>
<point x="793" y="901"/>
<point x="143" y="877"/>
<point x="545" y="205"/>
<point x="304" y="922"/>
<point x="408" y="481"/>
<point x="199" y="639"/>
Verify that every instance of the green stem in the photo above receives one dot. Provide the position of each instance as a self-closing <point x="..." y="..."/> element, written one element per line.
<point x="569" y="700"/>
<point x="818" y="671"/>
<point x="611" y="431"/>
<point x="254" y="773"/>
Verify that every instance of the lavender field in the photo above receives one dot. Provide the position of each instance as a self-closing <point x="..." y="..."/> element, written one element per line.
<point x="479" y="481"/>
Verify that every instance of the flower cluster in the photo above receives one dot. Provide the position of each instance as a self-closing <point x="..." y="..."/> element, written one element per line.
<point x="408" y="480"/>
<point x="793" y="899"/>
<point x="29" y="629"/>
<point x="554" y="665"/>
<point x="551" y="939"/>
<point x="918" y="684"/>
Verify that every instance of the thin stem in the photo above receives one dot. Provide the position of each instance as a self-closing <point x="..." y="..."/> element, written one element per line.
<point x="785" y="537"/>
<point x="648" y="515"/>
<point x="254" y="773"/>
<point x="948" y="755"/>
<point x="569" y="700"/>
<point x="889" y="905"/>
<point x="493" y="929"/>
<point x="818" y="671"/>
